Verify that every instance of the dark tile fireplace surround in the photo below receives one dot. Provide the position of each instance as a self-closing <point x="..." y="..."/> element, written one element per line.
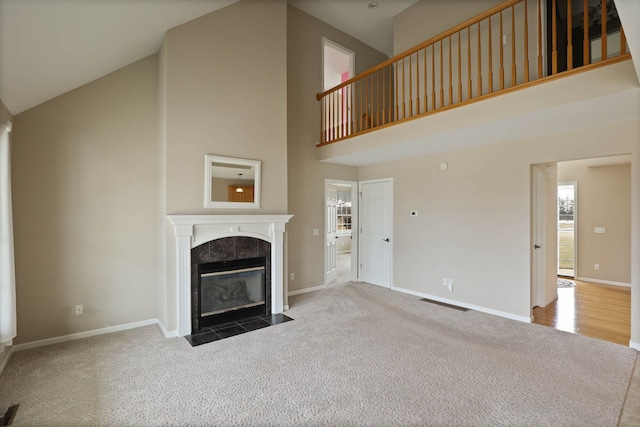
<point x="226" y="249"/>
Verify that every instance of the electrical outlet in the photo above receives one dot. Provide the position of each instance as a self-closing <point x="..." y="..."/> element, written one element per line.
<point x="292" y="276"/>
<point x="450" y="285"/>
<point x="79" y="309"/>
<point x="596" y="266"/>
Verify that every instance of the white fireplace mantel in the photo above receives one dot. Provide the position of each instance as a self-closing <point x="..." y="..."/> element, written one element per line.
<point x="194" y="230"/>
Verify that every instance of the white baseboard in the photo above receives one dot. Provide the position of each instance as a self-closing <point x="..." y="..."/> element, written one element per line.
<point x="167" y="334"/>
<point x="306" y="290"/>
<point x="511" y="316"/>
<point x="634" y="345"/>
<point x="6" y="357"/>
<point x="85" y="334"/>
<point x="604" y="282"/>
<point x="550" y="300"/>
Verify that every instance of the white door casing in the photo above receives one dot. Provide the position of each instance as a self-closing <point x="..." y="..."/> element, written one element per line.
<point x="376" y="229"/>
<point x="538" y="235"/>
<point x="331" y="229"/>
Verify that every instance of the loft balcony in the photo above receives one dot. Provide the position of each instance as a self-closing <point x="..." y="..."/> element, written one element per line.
<point x="502" y="73"/>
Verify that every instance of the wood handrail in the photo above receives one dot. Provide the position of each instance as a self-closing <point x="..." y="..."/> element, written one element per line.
<point x="425" y="44"/>
<point x="391" y="93"/>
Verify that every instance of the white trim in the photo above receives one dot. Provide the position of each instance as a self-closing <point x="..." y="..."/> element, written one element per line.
<point x="349" y="52"/>
<point x="194" y="230"/>
<point x="391" y="237"/>
<point x="286" y="307"/>
<point x="307" y="290"/>
<point x="6" y="359"/>
<point x="634" y="345"/>
<point x="499" y="313"/>
<point x="550" y="300"/>
<point x="604" y="282"/>
<point x="208" y="175"/>
<point x="355" y="237"/>
<point x="167" y="334"/>
<point x="85" y="334"/>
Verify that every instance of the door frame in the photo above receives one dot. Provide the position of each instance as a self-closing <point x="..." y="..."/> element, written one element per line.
<point x="374" y="181"/>
<point x="538" y="235"/>
<point x="354" y="228"/>
<point x="575" y="227"/>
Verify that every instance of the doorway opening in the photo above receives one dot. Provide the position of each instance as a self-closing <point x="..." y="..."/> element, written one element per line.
<point x="567" y="193"/>
<point x="341" y="232"/>
<point x="338" y="65"/>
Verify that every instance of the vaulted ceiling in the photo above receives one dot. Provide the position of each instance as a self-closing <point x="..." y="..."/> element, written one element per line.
<point x="48" y="47"/>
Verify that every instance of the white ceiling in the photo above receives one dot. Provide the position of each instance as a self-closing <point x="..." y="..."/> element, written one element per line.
<point x="48" y="47"/>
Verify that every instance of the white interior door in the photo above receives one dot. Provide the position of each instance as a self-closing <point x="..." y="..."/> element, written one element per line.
<point x="376" y="201"/>
<point x="539" y="226"/>
<point x="331" y="230"/>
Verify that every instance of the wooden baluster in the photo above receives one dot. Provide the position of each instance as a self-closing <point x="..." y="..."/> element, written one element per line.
<point x="604" y="30"/>
<point x="585" y="40"/>
<point x="501" y="55"/>
<point x="441" y="75"/>
<point x="321" y="120"/>
<point x="384" y="105"/>
<point x="410" y="86"/>
<point x="397" y="97"/>
<point x="569" y="36"/>
<point x="417" y="83"/>
<point x="336" y="115"/>
<point x="357" y="106"/>
<point x="365" y="115"/>
<point x="513" y="47"/>
<point x="450" y="73"/>
<point x="554" y="39"/>
<point x="540" y="39"/>
<point x="376" y="97"/>
<point x="526" y="42"/>
<point x="490" y="59"/>
<point x="350" y="107"/>
<point x="459" y="67"/>
<point x="479" y="61"/>
<point x="424" y="69"/>
<point x="433" y="76"/>
<point x="391" y="101"/>
<point x="469" y="83"/>
<point x="623" y="42"/>
<point x="404" y="105"/>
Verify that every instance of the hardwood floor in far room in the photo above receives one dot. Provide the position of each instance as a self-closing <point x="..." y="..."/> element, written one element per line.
<point x="590" y="309"/>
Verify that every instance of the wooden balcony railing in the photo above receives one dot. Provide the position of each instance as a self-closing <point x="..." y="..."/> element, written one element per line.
<point x="503" y="49"/>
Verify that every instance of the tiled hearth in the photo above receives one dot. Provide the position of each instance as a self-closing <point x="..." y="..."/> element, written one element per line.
<point x="232" y="329"/>
<point x="195" y="230"/>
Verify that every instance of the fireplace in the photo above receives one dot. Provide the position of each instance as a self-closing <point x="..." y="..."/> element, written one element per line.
<point x="232" y="290"/>
<point x="202" y="239"/>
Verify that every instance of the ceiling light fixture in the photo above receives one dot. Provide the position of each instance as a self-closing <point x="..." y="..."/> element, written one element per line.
<point x="239" y="189"/>
<point x="373" y="5"/>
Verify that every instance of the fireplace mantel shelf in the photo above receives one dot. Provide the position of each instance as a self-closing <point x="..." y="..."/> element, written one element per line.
<point x="193" y="230"/>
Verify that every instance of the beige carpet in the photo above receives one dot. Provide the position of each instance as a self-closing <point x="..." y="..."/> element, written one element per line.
<point x="355" y="355"/>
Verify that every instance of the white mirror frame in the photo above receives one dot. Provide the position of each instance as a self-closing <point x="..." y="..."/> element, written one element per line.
<point x="209" y="203"/>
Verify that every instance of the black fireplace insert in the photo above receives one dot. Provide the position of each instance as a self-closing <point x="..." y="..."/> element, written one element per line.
<point x="231" y="290"/>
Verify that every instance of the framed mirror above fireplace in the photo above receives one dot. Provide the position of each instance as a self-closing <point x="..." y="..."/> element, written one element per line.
<point x="231" y="182"/>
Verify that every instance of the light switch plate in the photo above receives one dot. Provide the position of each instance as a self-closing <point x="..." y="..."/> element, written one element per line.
<point x="599" y="230"/>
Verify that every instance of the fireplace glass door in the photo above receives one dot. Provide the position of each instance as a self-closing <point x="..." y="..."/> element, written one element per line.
<point x="232" y="290"/>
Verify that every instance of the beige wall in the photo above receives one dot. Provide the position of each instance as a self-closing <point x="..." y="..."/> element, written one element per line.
<point x="604" y="200"/>
<point x="428" y="18"/>
<point x="226" y="95"/>
<point x="225" y="82"/>
<point x="474" y="222"/>
<point x="84" y="180"/>
<point x="306" y="174"/>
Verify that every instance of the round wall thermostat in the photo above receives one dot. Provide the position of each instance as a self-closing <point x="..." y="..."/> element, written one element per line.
<point x="443" y="166"/>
